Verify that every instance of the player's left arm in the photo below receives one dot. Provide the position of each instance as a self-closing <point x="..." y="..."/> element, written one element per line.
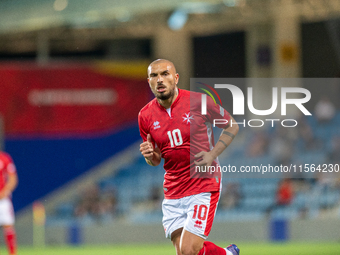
<point x="227" y="136"/>
<point x="11" y="184"/>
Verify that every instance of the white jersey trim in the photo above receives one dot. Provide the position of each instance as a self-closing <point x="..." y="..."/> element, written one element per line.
<point x="169" y="111"/>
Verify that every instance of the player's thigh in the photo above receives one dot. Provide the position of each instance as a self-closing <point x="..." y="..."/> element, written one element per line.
<point x="176" y="239"/>
<point x="6" y="212"/>
<point x="201" y="213"/>
<point x="190" y="243"/>
<point x="174" y="216"/>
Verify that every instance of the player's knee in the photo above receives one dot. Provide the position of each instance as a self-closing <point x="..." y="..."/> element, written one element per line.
<point x="189" y="250"/>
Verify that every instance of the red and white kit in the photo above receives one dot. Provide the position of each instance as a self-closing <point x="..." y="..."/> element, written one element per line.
<point x="6" y="208"/>
<point x="181" y="132"/>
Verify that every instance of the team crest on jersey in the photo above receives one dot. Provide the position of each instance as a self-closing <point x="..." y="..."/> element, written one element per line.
<point x="187" y="117"/>
<point x="156" y="125"/>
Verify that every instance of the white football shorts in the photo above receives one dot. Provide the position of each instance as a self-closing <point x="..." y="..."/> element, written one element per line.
<point x="6" y="212"/>
<point x="194" y="213"/>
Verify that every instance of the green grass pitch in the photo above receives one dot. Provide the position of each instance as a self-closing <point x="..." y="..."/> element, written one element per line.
<point x="167" y="249"/>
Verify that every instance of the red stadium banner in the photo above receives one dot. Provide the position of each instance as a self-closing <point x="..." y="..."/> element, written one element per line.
<point x="71" y="99"/>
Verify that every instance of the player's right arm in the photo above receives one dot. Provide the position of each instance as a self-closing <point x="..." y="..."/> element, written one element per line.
<point x="152" y="155"/>
<point x="11" y="183"/>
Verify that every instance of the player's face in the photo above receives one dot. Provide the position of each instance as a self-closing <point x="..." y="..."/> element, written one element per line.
<point x="162" y="80"/>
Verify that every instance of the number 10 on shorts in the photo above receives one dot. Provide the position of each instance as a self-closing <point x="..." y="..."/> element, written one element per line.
<point x="201" y="213"/>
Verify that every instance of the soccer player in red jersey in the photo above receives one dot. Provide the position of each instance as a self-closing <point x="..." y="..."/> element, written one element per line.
<point x="174" y="129"/>
<point x="8" y="182"/>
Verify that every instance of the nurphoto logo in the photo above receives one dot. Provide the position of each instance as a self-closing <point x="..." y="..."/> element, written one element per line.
<point x="238" y="98"/>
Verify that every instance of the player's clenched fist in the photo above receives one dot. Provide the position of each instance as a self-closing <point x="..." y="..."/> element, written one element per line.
<point x="147" y="149"/>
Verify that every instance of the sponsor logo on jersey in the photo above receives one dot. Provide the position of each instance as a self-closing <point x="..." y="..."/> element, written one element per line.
<point x="156" y="125"/>
<point x="198" y="224"/>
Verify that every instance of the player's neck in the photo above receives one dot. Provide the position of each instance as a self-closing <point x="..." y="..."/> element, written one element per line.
<point x="168" y="102"/>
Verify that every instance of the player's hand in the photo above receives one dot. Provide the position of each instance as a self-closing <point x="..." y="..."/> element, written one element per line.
<point x="146" y="148"/>
<point x="206" y="159"/>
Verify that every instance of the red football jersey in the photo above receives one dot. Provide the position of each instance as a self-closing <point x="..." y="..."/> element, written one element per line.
<point x="181" y="132"/>
<point x="6" y="167"/>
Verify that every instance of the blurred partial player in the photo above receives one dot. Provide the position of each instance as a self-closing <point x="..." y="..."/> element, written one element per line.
<point x="8" y="182"/>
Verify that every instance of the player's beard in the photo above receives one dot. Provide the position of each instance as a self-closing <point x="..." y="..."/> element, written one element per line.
<point x="165" y="96"/>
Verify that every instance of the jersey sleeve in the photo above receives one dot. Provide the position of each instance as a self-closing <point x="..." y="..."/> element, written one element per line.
<point x="215" y="111"/>
<point x="11" y="169"/>
<point x="9" y="165"/>
<point x="143" y="130"/>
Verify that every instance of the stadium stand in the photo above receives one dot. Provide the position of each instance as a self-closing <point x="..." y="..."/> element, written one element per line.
<point x="135" y="184"/>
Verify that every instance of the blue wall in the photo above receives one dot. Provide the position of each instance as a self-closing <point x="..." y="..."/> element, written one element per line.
<point x="45" y="164"/>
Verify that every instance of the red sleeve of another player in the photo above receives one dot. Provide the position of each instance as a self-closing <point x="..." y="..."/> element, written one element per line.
<point x="215" y="111"/>
<point x="10" y="167"/>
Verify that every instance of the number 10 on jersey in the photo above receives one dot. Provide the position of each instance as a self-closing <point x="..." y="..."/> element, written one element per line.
<point x="175" y="137"/>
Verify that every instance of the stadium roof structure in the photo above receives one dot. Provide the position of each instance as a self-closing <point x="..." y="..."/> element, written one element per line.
<point x="42" y="14"/>
<point x="24" y="22"/>
<point x="28" y="15"/>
